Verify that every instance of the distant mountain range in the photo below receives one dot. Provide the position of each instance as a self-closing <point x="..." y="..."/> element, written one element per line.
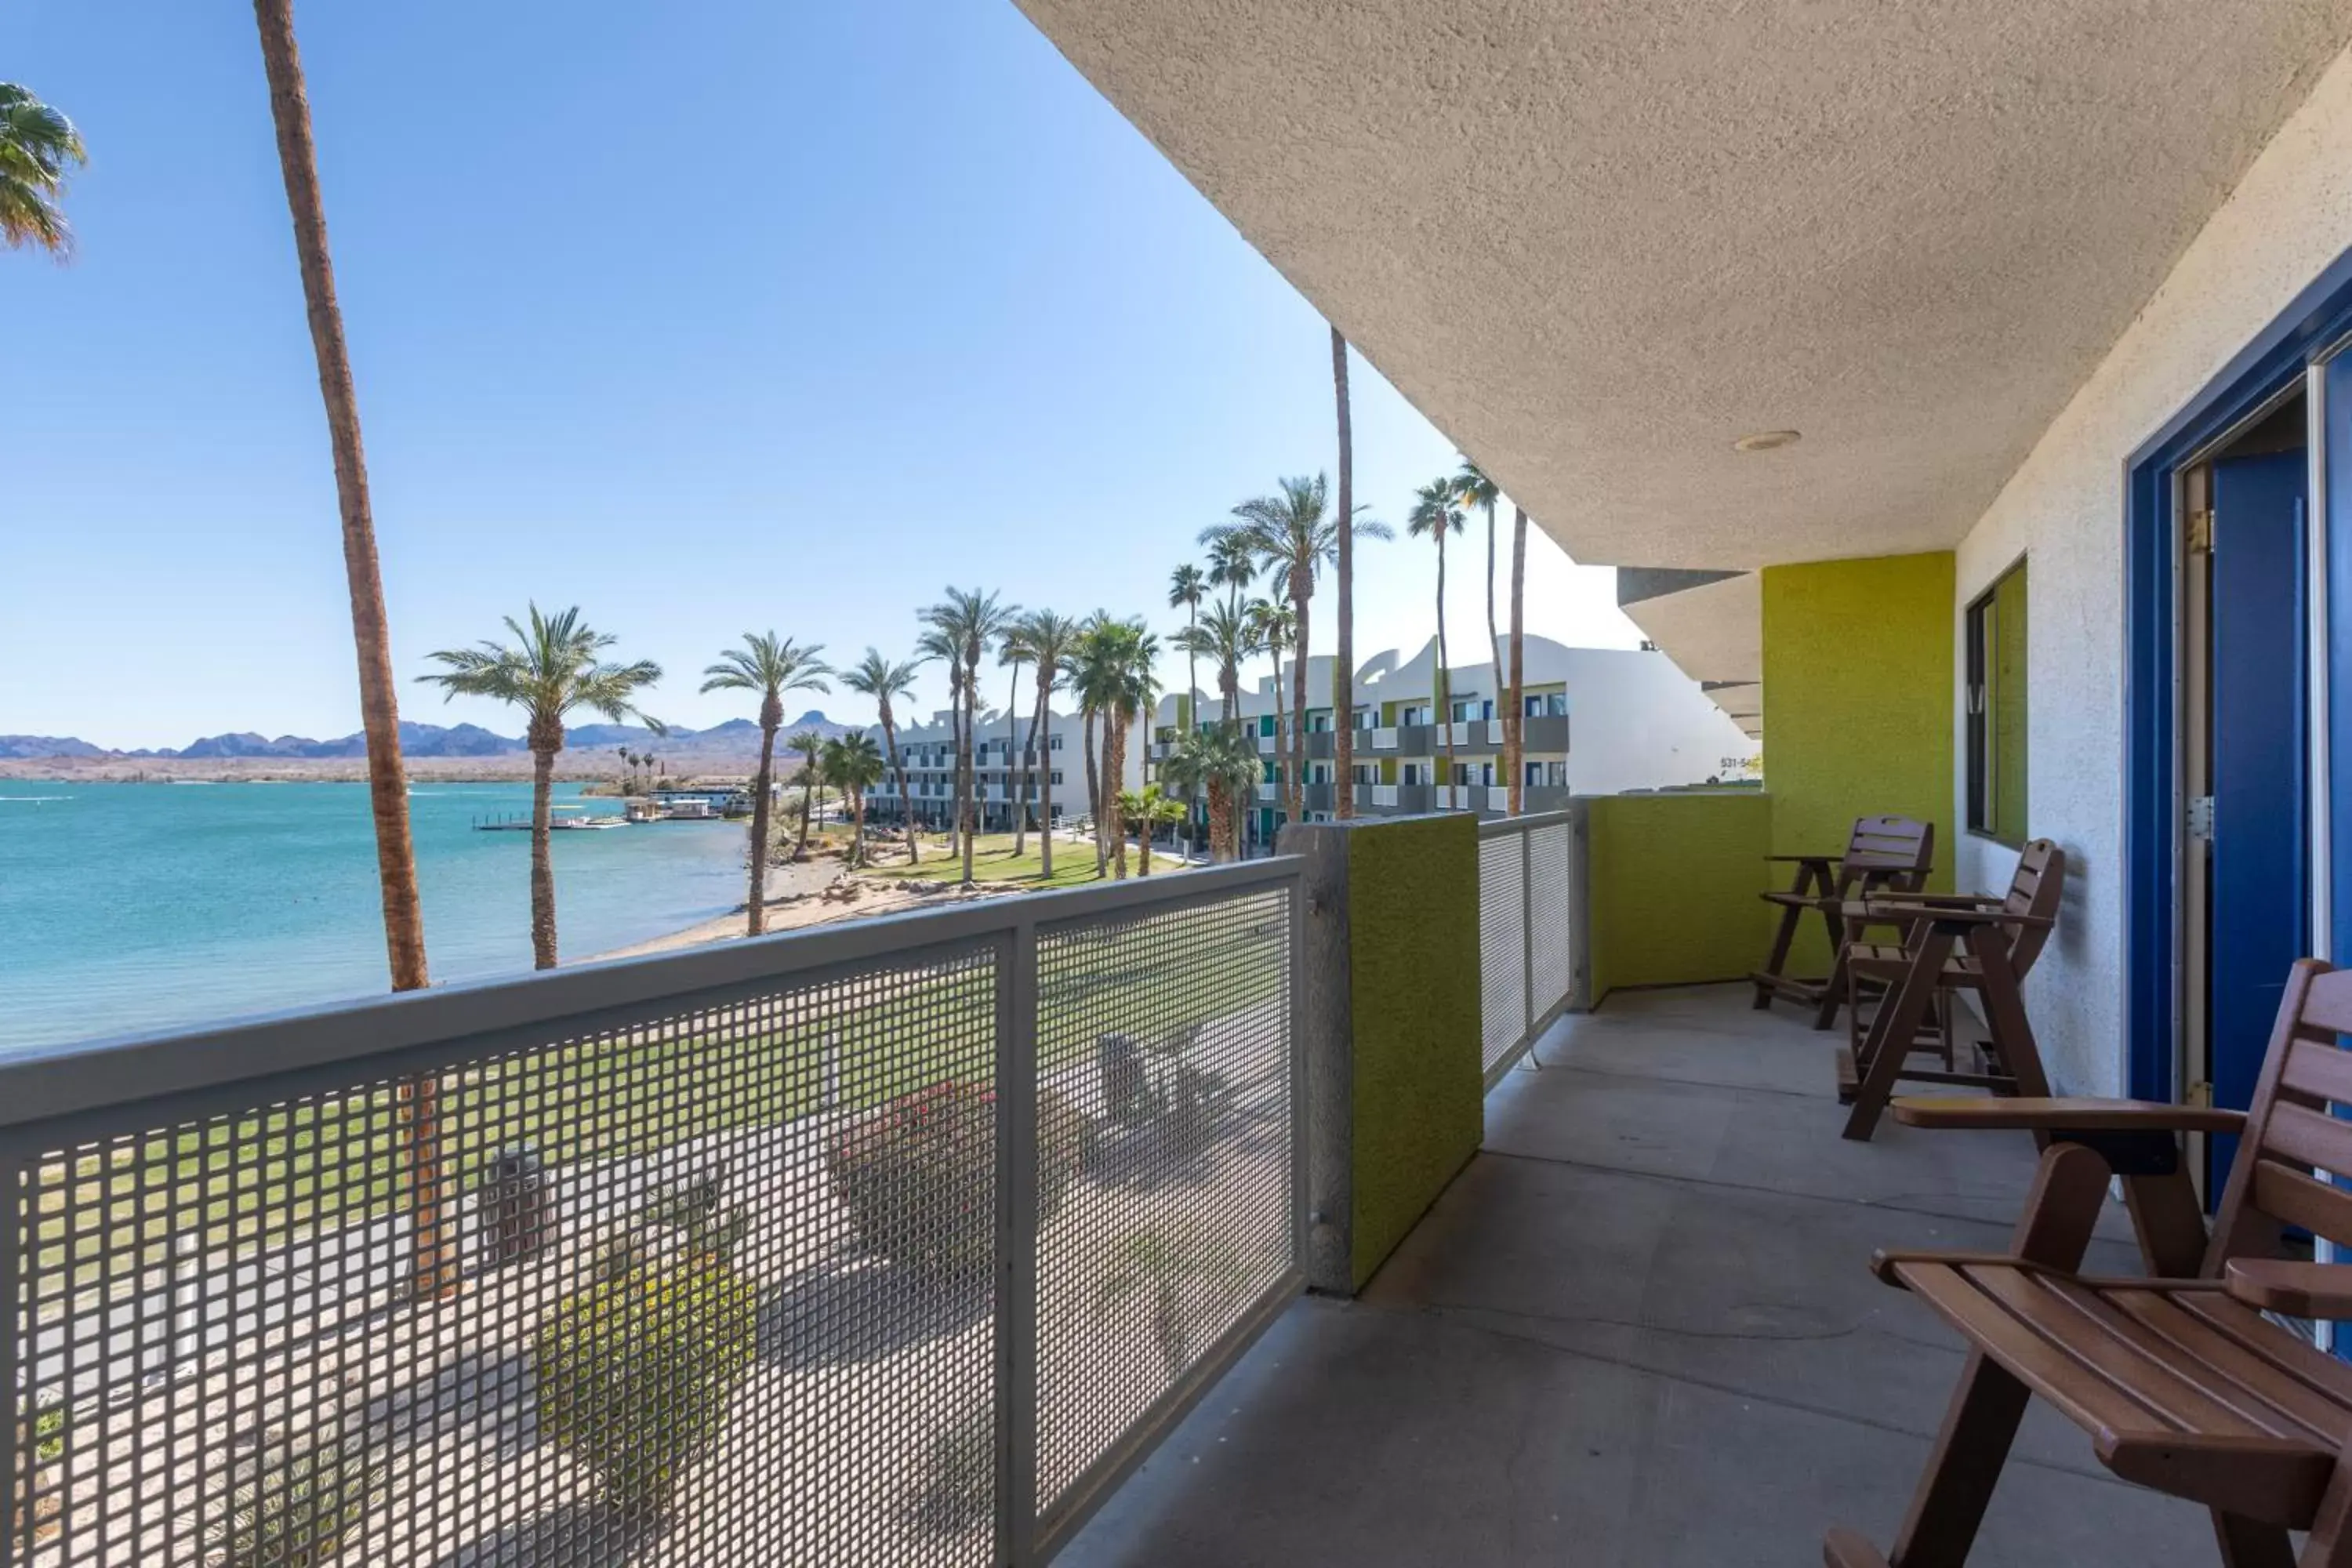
<point x="737" y="737"/>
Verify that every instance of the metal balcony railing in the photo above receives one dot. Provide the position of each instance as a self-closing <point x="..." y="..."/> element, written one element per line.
<point x="898" y="1241"/>
<point x="1530" y="875"/>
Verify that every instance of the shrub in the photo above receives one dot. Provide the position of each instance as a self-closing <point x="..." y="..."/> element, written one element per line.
<point x="919" y="1174"/>
<point x="304" y="1506"/>
<point x="636" y="1372"/>
<point x="959" y="1473"/>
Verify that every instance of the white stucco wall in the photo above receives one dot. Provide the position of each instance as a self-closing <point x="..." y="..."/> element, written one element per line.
<point x="2288" y="219"/>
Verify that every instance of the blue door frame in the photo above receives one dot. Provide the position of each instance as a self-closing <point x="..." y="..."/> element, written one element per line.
<point x="2281" y="356"/>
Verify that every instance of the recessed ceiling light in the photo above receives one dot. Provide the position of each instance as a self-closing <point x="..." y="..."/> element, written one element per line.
<point x="1765" y="440"/>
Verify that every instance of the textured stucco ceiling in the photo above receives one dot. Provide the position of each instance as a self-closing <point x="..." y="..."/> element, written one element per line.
<point x="1595" y="243"/>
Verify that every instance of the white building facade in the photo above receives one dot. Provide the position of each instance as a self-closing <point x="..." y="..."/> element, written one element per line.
<point x="1598" y="721"/>
<point x="1012" y="770"/>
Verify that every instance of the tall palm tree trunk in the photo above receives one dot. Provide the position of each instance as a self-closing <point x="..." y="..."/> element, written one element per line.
<point x="1515" y="717"/>
<point x="1018" y="797"/>
<point x="1343" y="636"/>
<point x="1301" y="585"/>
<point x="906" y="797"/>
<point x="1444" y="714"/>
<point x="1040" y="736"/>
<point x="1095" y="795"/>
<point x="433" y="1270"/>
<point x="758" y="902"/>
<point x="1494" y="638"/>
<point x="1029" y="783"/>
<point x="1281" y="785"/>
<point x="543" y="867"/>
<point x="971" y="765"/>
<point x="1114" y="778"/>
<point x="808" y="803"/>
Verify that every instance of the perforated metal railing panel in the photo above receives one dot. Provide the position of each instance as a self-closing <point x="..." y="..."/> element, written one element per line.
<point x="1527" y="959"/>
<point x="1552" y="973"/>
<point x="1171" y="1033"/>
<point x="723" y="1273"/>
<point x="1502" y="944"/>
<point x="713" y="1306"/>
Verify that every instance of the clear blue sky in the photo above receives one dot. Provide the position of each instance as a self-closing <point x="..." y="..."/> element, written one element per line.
<point x="706" y="318"/>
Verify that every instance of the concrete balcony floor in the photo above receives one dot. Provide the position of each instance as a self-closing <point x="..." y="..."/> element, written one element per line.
<point x="1638" y="1330"/>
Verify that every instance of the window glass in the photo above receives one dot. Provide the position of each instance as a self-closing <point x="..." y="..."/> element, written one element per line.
<point x="1996" y="695"/>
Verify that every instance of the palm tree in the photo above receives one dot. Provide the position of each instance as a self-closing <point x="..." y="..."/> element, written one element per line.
<point x="1271" y="631"/>
<point x="1187" y="586"/>
<point x="1515" y="716"/>
<point x="1343" y="641"/>
<point x="38" y="146"/>
<point x="1231" y="565"/>
<point x="1293" y="535"/>
<point x="770" y="665"/>
<point x="1224" y="634"/>
<point x="1012" y="652"/>
<point x="1437" y="512"/>
<point x="1190" y="1285"/>
<point x="1129" y="689"/>
<point x="853" y="765"/>
<point x="1148" y="810"/>
<point x="24" y="202"/>
<point x="552" y="668"/>
<point x="1222" y="765"/>
<point x="808" y="743"/>
<point x="1087" y="668"/>
<point x="969" y="621"/>
<point x="1475" y="488"/>
<point x="1051" y="638"/>
<point x="880" y="679"/>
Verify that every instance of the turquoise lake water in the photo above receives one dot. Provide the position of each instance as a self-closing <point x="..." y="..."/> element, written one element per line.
<point x="131" y="908"/>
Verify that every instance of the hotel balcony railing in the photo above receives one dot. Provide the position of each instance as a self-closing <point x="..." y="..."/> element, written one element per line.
<point x="1528" y="873"/>
<point x="848" y="1245"/>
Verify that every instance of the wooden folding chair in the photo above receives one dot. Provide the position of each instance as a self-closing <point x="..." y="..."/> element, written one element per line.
<point x="2182" y="1384"/>
<point x="1951" y="943"/>
<point x="1885" y="855"/>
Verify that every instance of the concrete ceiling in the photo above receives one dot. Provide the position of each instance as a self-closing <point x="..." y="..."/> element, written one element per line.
<point x="1595" y="243"/>
<point x="1712" y="626"/>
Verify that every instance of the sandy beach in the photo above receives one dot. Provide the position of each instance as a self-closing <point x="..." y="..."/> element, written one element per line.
<point x="795" y="902"/>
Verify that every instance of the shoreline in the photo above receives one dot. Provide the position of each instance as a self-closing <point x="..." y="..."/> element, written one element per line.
<point x="795" y="902"/>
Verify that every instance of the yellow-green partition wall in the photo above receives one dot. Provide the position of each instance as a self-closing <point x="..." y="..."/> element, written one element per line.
<point x="1857" y="704"/>
<point x="1671" y="884"/>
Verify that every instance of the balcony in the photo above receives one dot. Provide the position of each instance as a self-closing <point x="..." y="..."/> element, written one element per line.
<point x="417" y="1246"/>
<point x="1638" y="1330"/>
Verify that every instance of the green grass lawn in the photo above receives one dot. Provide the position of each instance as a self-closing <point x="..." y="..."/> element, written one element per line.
<point x="314" y="1164"/>
<point x="994" y="862"/>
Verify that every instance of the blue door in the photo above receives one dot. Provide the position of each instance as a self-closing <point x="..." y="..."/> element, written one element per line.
<point x="2260" y="899"/>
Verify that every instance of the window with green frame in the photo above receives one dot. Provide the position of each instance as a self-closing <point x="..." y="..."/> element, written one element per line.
<point x="1997" y="709"/>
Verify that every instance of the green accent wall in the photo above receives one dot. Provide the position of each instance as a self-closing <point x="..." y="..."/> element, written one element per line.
<point x="1419" y="1097"/>
<point x="2007" y="699"/>
<point x="1388" y="769"/>
<point x="1671" y="887"/>
<point x="1858" y="691"/>
<point x="1387" y="715"/>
